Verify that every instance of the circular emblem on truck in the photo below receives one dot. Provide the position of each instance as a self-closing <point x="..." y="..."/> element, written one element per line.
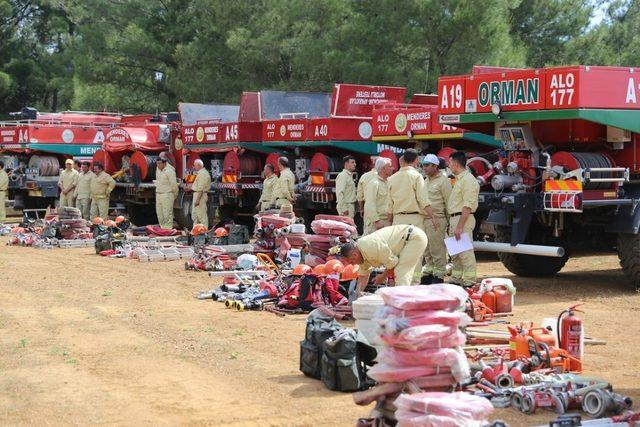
<point x="67" y="136"/>
<point x="401" y="122"/>
<point x="200" y="134"/>
<point x="283" y="130"/>
<point x="365" y="130"/>
<point x="178" y="145"/>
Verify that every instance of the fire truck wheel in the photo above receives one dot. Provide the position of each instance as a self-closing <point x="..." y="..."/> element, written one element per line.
<point x="529" y="265"/>
<point x="141" y="215"/>
<point x="182" y="214"/>
<point x="629" y="255"/>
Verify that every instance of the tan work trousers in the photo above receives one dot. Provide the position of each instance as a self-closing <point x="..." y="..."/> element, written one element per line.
<point x="100" y="207"/>
<point x="464" y="264"/>
<point x="66" y="200"/>
<point x="347" y="207"/>
<point x="199" y="213"/>
<point x="3" y="209"/>
<point x="164" y="209"/>
<point x="410" y="258"/>
<point x="370" y="226"/>
<point x="282" y="202"/>
<point x="418" y="221"/>
<point x="435" y="257"/>
<point x="84" y="205"/>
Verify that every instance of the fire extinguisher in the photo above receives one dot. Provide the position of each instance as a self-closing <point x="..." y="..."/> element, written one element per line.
<point x="570" y="332"/>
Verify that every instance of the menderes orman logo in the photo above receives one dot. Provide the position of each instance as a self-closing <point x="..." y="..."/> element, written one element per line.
<point x="401" y="122"/>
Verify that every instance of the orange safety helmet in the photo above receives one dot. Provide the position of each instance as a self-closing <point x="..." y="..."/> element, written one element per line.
<point x="318" y="270"/>
<point x="120" y="219"/>
<point x="198" y="229"/>
<point x="221" y="232"/>
<point x="109" y="223"/>
<point x="301" y="269"/>
<point x="333" y="266"/>
<point x="350" y="272"/>
<point x="97" y="221"/>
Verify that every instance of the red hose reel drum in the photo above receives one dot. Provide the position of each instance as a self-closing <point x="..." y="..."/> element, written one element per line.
<point x="146" y="164"/>
<point x="322" y="163"/>
<point x="245" y="164"/>
<point x="272" y="159"/>
<point x="112" y="162"/>
<point x="573" y="160"/>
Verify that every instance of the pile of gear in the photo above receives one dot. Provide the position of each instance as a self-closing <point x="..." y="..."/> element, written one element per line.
<point x="421" y="361"/>
<point x="263" y="285"/>
<point x="58" y="228"/>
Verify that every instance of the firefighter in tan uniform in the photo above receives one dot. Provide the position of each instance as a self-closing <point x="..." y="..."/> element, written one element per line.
<point x="166" y="190"/>
<point x="267" y="201"/>
<point x="409" y="202"/>
<point x="67" y="184"/>
<point x="4" y="190"/>
<point x="200" y="188"/>
<point x="376" y="198"/>
<point x="346" y="189"/>
<point x="284" y="187"/>
<point x="101" y="187"/>
<point x="83" y="190"/>
<point x="461" y="206"/>
<point x="397" y="248"/>
<point x="365" y="178"/>
<point x="438" y="191"/>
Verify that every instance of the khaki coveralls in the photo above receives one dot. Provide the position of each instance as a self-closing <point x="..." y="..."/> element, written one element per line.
<point x="67" y="179"/>
<point x="407" y="200"/>
<point x="101" y="187"/>
<point x="202" y="184"/>
<point x="376" y="204"/>
<point x="395" y="248"/>
<point x="345" y="193"/>
<point x="266" y="198"/>
<point x="166" y="190"/>
<point x="365" y="178"/>
<point x="4" y="190"/>
<point x="438" y="190"/>
<point x="464" y="194"/>
<point x="83" y="193"/>
<point x="284" y="188"/>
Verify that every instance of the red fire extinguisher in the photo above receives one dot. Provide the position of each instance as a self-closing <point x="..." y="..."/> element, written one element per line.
<point x="570" y="332"/>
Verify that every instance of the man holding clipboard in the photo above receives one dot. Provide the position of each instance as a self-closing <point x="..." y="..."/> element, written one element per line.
<point x="461" y="206"/>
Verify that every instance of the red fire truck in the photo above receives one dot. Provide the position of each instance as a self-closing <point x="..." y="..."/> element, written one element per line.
<point x="35" y="145"/>
<point x="567" y="173"/>
<point x="314" y="130"/>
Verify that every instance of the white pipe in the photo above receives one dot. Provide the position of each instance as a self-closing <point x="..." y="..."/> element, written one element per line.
<point x="537" y="250"/>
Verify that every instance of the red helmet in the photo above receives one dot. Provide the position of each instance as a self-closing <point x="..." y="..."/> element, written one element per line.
<point x="350" y="272"/>
<point x="120" y="219"/>
<point x="301" y="269"/>
<point x="109" y="223"/>
<point x="221" y="232"/>
<point x="97" y="221"/>
<point x="198" y="229"/>
<point x="318" y="270"/>
<point x="333" y="266"/>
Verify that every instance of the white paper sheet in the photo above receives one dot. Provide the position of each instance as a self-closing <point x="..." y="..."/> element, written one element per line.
<point x="454" y="247"/>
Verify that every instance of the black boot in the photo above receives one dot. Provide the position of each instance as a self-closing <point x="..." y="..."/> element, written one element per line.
<point x="427" y="279"/>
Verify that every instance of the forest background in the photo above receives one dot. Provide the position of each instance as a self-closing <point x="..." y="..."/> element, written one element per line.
<point x="148" y="55"/>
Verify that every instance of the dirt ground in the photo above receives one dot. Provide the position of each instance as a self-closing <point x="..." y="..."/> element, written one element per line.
<point x="89" y="340"/>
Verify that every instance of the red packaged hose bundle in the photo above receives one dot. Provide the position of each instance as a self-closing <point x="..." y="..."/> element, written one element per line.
<point x="463" y="408"/>
<point x="432" y="297"/>
<point x="392" y="320"/>
<point x="425" y="337"/>
<point x="452" y="358"/>
<point x="333" y="228"/>
<point x="382" y="372"/>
